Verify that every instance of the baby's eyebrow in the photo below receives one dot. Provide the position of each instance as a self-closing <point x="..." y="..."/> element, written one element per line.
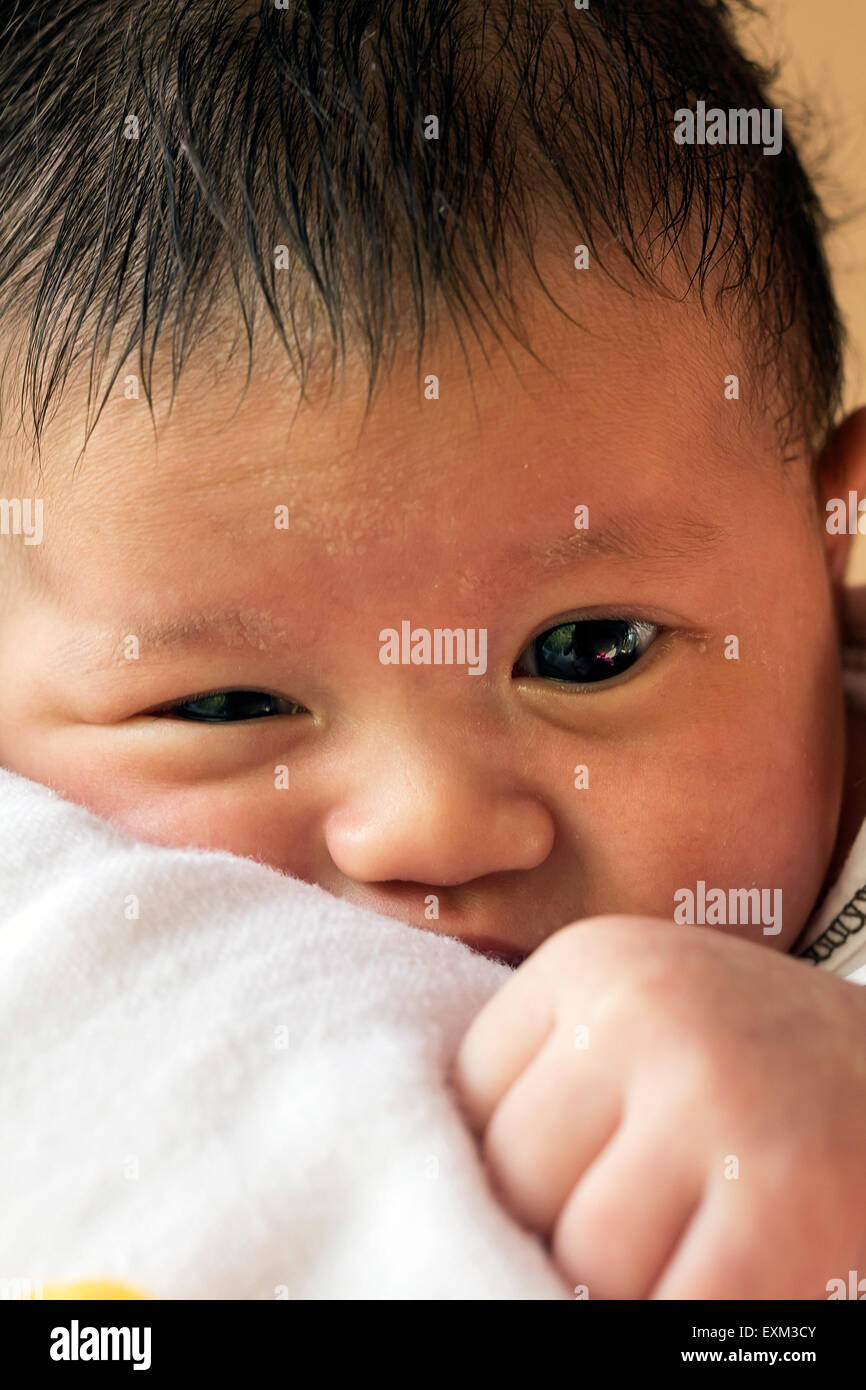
<point x="633" y="535"/>
<point x="157" y="636"/>
<point x="238" y="627"/>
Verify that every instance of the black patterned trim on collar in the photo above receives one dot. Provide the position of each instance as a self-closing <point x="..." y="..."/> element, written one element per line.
<point x="851" y="919"/>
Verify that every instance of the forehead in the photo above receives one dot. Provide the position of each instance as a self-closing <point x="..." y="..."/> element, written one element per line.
<point x="625" y="414"/>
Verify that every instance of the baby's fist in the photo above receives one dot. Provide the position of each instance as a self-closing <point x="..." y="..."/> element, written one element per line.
<point x="681" y="1113"/>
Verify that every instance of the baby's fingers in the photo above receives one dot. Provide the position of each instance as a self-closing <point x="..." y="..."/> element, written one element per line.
<point x="550" y="1126"/>
<point x="621" y="1225"/>
<point x="502" y="1041"/>
<point x="756" y="1239"/>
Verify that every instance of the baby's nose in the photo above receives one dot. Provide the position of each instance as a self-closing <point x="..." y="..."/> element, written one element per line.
<point x="437" y="826"/>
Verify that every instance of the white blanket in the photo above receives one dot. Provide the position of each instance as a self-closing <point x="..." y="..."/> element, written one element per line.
<point x="217" y="1082"/>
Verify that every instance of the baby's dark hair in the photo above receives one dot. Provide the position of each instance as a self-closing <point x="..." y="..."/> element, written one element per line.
<point x="162" y="159"/>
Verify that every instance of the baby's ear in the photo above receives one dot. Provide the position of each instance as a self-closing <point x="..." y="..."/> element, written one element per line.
<point x="841" y="472"/>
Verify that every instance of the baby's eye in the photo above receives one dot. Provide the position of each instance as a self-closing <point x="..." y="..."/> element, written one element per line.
<point x="231" y="707"/>
<point x="587" y="651"/>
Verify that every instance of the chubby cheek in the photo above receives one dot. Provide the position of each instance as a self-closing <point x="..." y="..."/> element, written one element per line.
<point x="246" y="815"/>
<point x="233" y="818"/>
<point x="733" y="797"/>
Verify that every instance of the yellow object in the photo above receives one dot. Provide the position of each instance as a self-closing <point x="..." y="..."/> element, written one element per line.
<point x="91" y="1288"/>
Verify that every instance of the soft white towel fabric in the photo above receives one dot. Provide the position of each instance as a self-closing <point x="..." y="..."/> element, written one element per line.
<point x="239" y="1092"/>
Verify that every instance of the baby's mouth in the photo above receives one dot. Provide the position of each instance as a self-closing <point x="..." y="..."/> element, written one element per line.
<point x="496" y="950"/>
<point x="401" y="901"/>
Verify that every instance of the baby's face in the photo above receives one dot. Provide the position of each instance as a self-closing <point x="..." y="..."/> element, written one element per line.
<point x="649" y="692"/>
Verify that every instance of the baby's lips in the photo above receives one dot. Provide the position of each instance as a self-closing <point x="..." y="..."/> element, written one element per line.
<point x="496" y="950"/>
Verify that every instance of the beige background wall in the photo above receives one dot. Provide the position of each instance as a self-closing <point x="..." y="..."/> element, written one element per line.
<point x="821" y="46"/>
